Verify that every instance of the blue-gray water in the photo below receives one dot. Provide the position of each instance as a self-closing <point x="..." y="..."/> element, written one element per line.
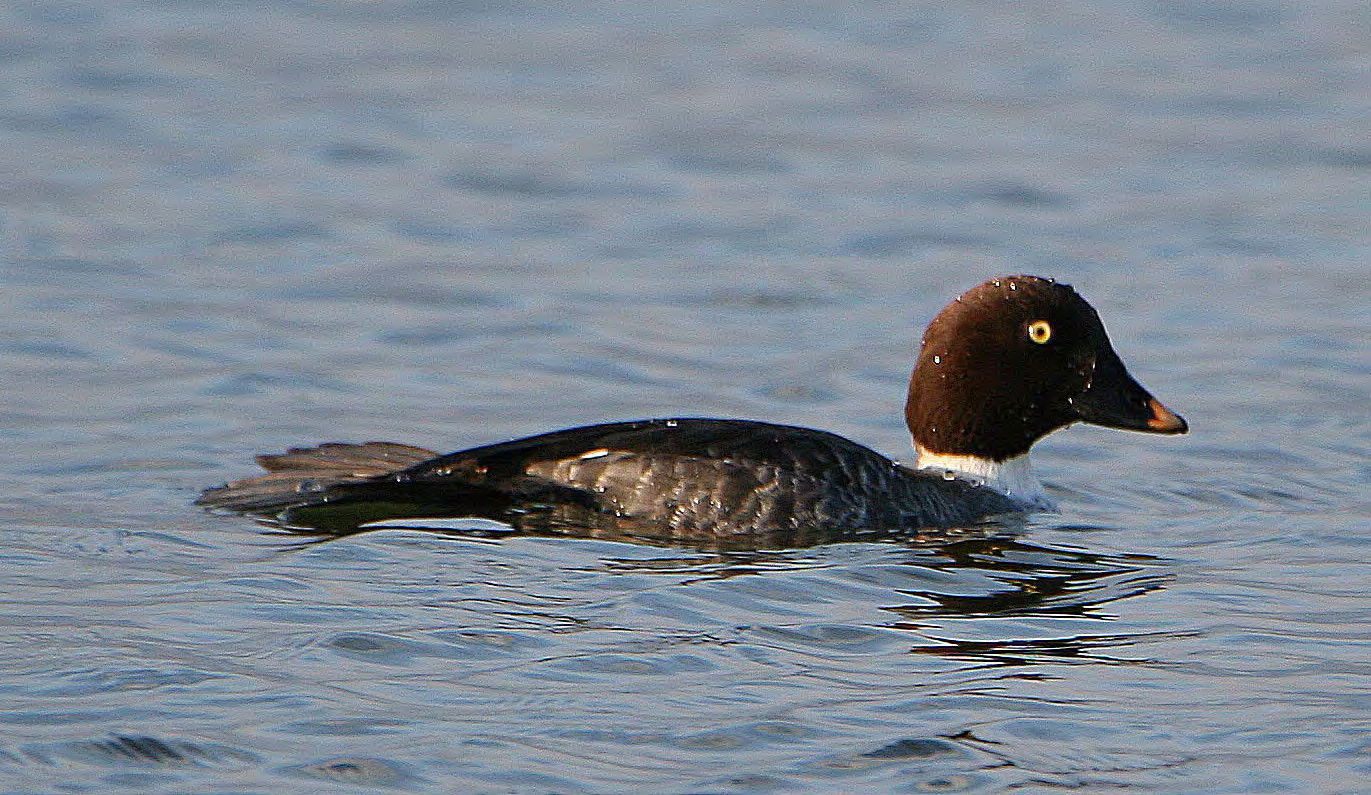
<point x="230" y="227"/>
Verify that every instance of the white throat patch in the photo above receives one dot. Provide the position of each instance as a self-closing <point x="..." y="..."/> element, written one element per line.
<point x="1014" y="477"/>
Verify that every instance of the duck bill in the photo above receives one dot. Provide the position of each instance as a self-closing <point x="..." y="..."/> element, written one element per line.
<point x="1114" y="400"/>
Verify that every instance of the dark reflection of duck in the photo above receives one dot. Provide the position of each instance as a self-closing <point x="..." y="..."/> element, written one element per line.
<point x="929" y="590"/>
<point x="1022" y="584"/>
<point x="1008" y="576"/>
<point x="1000" y="367"/>
<point x="1033" y="580"/>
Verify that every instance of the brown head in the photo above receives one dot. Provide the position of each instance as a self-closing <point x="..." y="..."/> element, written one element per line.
<point x="1012" y="360"/>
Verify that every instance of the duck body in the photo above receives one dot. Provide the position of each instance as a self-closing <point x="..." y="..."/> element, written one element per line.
<point x="683" y="478"/>
<point x="989" y="383"/>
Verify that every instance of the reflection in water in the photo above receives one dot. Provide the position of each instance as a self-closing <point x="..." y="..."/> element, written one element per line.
<point x="975" y="623"/>
<point x="1035" y="580"/>
<point x="1026" y="652"/>
<point x="921" y="580"/>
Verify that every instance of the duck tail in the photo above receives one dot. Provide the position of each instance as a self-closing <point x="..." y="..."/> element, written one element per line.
<point x="300" y="475"/>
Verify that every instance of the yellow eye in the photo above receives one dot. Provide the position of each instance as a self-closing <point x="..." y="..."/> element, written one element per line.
<point x="1040" y="331"/>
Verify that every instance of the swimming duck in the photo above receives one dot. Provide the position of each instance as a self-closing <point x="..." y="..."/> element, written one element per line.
<point x="1003" y="365"/>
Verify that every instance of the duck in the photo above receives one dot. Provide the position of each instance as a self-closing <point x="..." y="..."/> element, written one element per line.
<point x="1001" y="366"/>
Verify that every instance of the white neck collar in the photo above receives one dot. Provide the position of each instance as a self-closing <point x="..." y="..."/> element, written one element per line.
<point x="1013" y="477"/>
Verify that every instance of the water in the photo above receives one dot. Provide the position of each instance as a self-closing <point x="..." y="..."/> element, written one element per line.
<point x="228" y="228"/>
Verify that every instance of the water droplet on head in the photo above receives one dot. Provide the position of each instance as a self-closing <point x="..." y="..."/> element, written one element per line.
<point x="937" y="360"/>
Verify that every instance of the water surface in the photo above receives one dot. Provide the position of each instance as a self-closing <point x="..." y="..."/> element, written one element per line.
<point x="230" y="228"/>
